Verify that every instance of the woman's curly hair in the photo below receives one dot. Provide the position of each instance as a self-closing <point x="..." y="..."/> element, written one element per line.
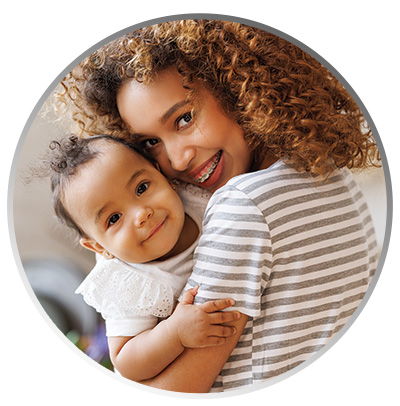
<point x="286" y="102"/>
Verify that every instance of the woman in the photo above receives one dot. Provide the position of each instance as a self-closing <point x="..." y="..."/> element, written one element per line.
<point x="210" y="100"/>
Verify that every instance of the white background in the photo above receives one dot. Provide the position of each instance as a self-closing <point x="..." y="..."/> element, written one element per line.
<point x="360" y="39"/>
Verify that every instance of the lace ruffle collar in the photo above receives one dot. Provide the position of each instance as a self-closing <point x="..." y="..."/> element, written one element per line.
<point x="128" y="288"/>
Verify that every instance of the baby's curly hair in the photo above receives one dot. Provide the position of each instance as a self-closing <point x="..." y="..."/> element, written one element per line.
<point x="64" y="159"/>
<point x="286" y="102"/>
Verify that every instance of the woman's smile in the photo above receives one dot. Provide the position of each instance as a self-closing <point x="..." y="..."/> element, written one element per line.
<point x="202" y="173"/>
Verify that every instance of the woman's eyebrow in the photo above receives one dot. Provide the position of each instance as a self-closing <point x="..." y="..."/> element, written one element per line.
<point x="172" y="110"/>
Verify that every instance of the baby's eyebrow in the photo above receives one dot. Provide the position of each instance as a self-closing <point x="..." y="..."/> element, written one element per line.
<point x="134" y="176"/>
<point x="130" y="181"/>
<point x="100" y="213"/>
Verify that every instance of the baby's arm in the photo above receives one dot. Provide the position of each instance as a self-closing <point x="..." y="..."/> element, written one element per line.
<point x="147" y="354"/>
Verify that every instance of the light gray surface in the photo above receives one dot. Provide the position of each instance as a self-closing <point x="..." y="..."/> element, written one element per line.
<point x="38" y="233"/>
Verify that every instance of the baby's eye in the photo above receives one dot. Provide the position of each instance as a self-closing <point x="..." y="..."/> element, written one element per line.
<point x="113" y="219"/>
<point x="142" y="188"/>
<point x="184" y="120"/>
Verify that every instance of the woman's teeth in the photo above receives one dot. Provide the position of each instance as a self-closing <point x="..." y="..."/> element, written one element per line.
<point x="209" y="170"/>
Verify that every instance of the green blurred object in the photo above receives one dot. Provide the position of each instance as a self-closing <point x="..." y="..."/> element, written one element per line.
<point x="95" y="346"/>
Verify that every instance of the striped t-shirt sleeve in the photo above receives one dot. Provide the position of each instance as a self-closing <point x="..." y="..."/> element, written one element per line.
<point x="233" y="258"/>
<point x="296" y="254"/>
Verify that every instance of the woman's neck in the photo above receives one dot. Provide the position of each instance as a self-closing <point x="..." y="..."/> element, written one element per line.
<point x="262" y="161"/>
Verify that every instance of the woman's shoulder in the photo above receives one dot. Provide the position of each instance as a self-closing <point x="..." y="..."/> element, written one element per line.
<point x="278" y="182"/>
<point x="251" y="182"/>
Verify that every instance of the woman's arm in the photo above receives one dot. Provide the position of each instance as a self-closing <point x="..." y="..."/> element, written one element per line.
<point x="147" y="354"/>
<point x="196" y="369"/>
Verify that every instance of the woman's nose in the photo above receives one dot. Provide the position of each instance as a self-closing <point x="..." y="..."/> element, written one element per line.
<point x="180" y="156"/>
<point x="141" y="215"/>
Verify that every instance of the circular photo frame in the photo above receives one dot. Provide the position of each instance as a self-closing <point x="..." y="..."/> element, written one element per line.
<point x="324" y="233"/>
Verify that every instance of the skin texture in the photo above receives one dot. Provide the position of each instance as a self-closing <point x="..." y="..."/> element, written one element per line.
<point x="184" y="137"/>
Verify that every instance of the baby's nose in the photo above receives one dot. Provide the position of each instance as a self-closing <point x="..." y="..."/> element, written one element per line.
<point x="142" y="215"/>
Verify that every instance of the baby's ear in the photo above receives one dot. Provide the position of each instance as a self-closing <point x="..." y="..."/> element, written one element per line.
<point x="94" y="246"/>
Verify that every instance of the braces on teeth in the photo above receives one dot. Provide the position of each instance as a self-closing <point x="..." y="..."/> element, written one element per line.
<point x="210" y="170"/>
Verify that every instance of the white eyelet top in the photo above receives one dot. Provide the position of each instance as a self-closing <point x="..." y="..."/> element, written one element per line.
<point x="132" y="297"/>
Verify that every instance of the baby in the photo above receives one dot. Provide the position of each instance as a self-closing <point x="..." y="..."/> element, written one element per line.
<point x="132" y="217"/>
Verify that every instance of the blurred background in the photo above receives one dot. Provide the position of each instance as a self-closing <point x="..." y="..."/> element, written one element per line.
<point x="55" y="265"/>
<point x="54" y="262"/>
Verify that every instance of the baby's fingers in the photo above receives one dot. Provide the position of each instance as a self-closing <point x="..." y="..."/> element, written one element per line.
<point x="218" y="335"/>
<point x="188" y="296"/>
<point x="222" y="331"/>
<point x="214" y="341"/>
<point x="216" y="305"/>
<point x="223" y="317"/>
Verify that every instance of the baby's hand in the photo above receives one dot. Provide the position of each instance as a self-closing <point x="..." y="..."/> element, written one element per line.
<point x="202" y="326"/>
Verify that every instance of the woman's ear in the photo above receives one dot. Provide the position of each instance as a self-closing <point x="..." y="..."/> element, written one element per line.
<point x="94" y="246"/>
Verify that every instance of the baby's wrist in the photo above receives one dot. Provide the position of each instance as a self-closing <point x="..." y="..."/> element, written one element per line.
<point x="173" y="333"/>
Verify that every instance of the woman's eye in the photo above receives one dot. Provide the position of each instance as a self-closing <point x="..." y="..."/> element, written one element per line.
<point x="142" y="188"/>
<point x="184" y="120"/>
<point x="113" y="219"/>
<point x="149" y="144"/>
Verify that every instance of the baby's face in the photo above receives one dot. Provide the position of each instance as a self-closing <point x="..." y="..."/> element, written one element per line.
<point x="125" y="205"/>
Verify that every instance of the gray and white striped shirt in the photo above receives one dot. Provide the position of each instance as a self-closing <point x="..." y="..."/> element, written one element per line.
<point x="296" y="255"/>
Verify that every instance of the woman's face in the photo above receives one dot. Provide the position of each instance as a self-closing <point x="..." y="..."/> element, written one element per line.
<point x="197" y="143"/>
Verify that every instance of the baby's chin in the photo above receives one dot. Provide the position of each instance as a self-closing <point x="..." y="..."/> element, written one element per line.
<point x="169" y="254"/>
<point x="159" y="255"/>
